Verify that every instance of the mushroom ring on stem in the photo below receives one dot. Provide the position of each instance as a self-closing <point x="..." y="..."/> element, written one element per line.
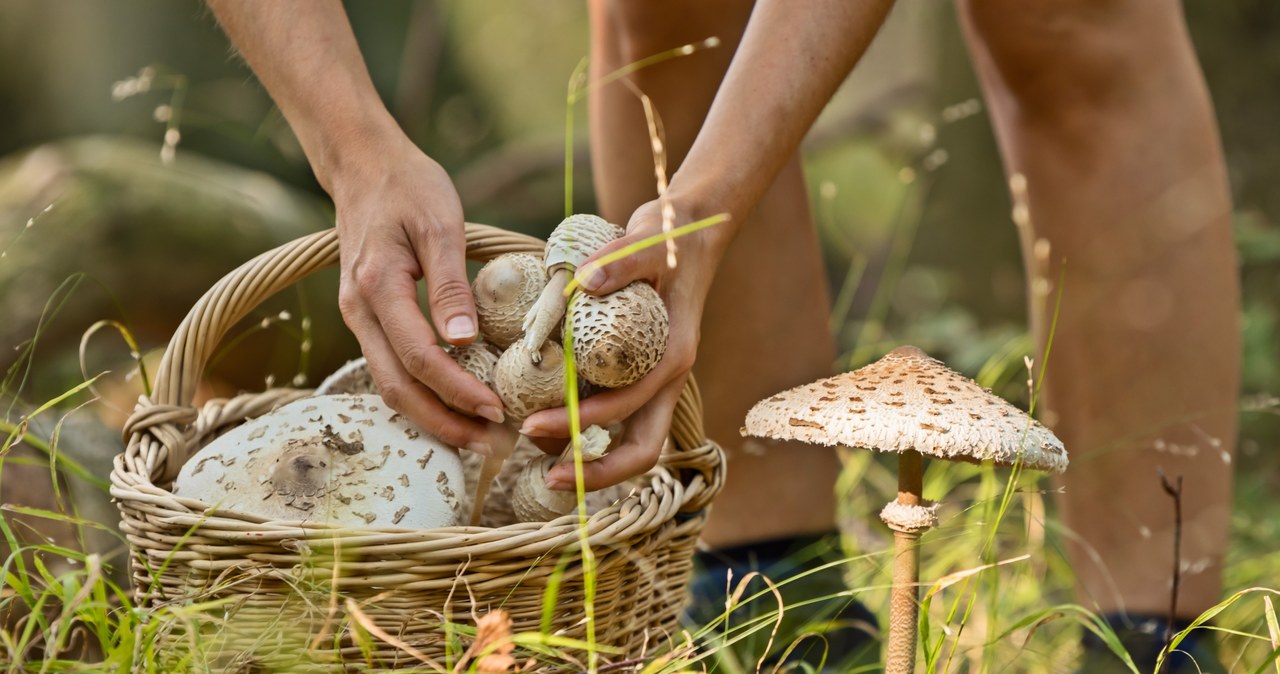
<point x="914" y="405"/>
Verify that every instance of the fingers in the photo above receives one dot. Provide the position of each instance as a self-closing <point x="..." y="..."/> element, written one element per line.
<point x="641" y="265"/>
<point x="392" y="299"/>
<point x="636" y="452"/>
<point x="409" y="396"/>
<point x="613" y="406"/>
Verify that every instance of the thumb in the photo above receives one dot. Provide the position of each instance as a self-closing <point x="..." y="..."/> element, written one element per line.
<point x="604" y="272"/>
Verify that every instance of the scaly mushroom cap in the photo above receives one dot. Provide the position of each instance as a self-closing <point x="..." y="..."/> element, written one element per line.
<point x="525" y="386"/>
<point x="505" y="290"/>
<point x="907" y="401"/>
<point x="532" y="500"/>
<point x="477" y="358"/>
<point x="620" y="337"/>
<point x="347" y="460"/>
<point x="577" y="238"/>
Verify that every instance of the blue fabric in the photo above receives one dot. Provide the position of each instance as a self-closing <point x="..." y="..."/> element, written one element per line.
<point x="1144" y="636"/>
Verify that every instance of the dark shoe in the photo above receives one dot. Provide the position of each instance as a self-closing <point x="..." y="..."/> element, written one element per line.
<point x="809" y="575"/>
<point x="1144" y="637"/>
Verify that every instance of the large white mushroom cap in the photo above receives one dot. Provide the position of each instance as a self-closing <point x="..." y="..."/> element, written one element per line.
<point x="909" y="401"/>
<point x="347" y="460"/>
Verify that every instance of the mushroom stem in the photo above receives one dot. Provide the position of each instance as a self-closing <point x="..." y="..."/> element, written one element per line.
<point x="904" y="609"/>
<point x="489" y="470"/>
<point x="546" y="313"/>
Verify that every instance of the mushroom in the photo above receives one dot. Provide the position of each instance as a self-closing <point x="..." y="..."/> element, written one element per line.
<point x="347" y="460"/>
<point x="505" y="290"/>
<point x="477" y="358"/>
<point x="914" y="405"/>
<point x="354" y="377"/>
<point x="618" y="338"/>
<point x="526" y="384"/>
<point x="531" y="498"/>
<point x="575" y="239"/>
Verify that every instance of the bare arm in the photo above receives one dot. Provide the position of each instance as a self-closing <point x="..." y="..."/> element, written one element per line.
<point x="398" y="215"/>
<point x="791" y="60"/>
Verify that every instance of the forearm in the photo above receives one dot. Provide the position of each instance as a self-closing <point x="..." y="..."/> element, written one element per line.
<point x="306" y="55"/>
<point x="789" y="64"/>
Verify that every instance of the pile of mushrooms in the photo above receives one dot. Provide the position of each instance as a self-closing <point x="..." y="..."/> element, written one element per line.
<point x="914" y="405"/>
<point x="336" y="456"/>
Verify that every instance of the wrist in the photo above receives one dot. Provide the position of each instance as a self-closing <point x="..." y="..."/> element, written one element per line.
<point x="693" y="203"/>
<point x="351" y="149"/>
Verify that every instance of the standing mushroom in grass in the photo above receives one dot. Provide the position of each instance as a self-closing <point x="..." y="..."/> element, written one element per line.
<point x="572" y="241"/>
<point x="914" y="405"/>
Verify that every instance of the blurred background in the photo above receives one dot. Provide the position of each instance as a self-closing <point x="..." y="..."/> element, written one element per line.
<point x="140" y="161"/>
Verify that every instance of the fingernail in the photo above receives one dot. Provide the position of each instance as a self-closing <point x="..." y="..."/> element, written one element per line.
<point x="591" y="277"/>
<point x="558" y="483"/>
<point x="460" y="327"/>
<point x="491" y="413"/>
<point x="533" y="431"/>
<point x="481" y="448"/>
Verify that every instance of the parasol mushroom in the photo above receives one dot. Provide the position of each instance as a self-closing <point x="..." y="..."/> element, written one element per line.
<point x="914" y="405"/>
<point x="618" y="338"/>
<point x="506" y="289"/>
<point x="574" y="240"/>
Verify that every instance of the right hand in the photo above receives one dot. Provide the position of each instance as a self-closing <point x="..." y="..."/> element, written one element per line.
<point x="399" y="219"/>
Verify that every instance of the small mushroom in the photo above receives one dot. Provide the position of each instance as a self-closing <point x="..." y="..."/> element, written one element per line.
<point x="505" y="290"/>
<point x="618" y="338"/>
<point x="914" y="405"/>
<point x="526" y="385"/>
<point x="572" y="241"/>
<point x="347" y="460"/>
<point x="477" y="358"/>
<point x="532" y="500"/>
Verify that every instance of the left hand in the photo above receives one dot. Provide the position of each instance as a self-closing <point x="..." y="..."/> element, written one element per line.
<point x="647" y="405"/>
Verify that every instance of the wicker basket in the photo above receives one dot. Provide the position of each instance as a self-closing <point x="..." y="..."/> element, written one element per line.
<point x="285" y="587"/>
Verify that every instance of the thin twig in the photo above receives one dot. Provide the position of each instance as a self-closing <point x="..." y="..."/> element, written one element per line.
<point x="1174" y="490"/>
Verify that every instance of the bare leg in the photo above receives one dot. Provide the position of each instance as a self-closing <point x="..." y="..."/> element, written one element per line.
<point x="765" y="325"/>
<point x="1103" y="109"/>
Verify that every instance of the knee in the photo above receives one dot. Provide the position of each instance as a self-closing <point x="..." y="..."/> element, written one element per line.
<point x="1061" y="55"/>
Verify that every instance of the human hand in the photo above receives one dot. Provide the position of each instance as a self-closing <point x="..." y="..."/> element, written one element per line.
<point x="398" y="214"/>
<point x="647" y="405"/>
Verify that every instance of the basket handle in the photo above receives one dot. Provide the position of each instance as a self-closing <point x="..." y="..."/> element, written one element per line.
<point x="238" y="293"/>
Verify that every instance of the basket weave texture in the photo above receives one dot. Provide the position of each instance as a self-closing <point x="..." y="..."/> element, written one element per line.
<point x="286" y="589"/>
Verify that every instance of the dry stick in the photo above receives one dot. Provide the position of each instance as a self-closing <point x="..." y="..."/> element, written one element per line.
<point x="900" y="656"/>
<point x="1174" y="492"/>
